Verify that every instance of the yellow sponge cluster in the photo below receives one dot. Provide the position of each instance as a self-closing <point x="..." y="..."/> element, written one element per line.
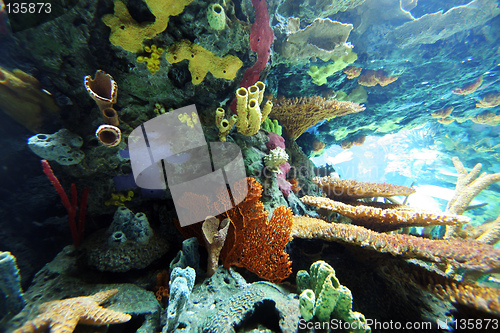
<point x="202" y="61"/>
<point x="129" y="34"/>
<point x="189" y="120"/>
<point x="153" y="61"/>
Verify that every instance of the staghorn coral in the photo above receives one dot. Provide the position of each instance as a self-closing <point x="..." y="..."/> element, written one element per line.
<point x="469" y="88"/>
<point x="298" y="114"/>
<point x="489" y="100"/>
<point x="342" y="189"/>
<point x="384" y="217"/>
<point x="63" y="316"/>
<point x="469" y="184"/>
<point x="371" y="78"/>
<point x="492" y="234"/>
<point x="470" y="255"/>
<point x="202" y="61"/>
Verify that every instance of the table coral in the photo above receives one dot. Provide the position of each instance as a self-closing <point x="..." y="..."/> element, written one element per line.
<point x="470" y="255"/>
<point x="202" y="61"/>
<point x="298" y="114"/>
<point x="371" y="78"/>
<point x="340" y="189"/>
<point x="385" y="217"/>
<point x="129" y="34"/>
<point x="63" y="316"/>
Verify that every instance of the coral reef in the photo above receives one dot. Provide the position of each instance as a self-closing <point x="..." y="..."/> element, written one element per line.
<point x="11" y="294"/>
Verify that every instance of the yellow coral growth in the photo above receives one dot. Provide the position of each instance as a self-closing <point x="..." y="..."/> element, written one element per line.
<point x="119" y="199"/>
<point x="153" y="61"/>
<point x="189" y="120"/>
<point x="202" y="61"/>
<point x="470" y="88"/>
<point x="298" y="114"/>
<point x="489" y="100"/>
<point x="22" y="99"/>
<point x="129" y="34"/>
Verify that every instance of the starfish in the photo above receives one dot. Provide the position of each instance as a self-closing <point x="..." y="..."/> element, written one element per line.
<point x="62" y="316"/>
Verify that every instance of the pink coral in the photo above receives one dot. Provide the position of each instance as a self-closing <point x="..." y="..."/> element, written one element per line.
<point x="275" y="140"/>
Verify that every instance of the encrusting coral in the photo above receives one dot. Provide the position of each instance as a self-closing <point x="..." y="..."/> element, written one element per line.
<point x="385" y="217"/>
<point x="62" y="316"/>
<point x="298" y="114"/>
<point x="470" y="255"/>
<point x="341" y="189"/>
<point x="202" y="61"/>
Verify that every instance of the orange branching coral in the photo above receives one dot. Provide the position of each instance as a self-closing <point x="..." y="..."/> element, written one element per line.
<point x="385" y="217"/>
<point x="486" y="118"/>
<point x="295" y="185"/>
<point x="258" y="244"/>
<point x="489" y="100"/>
<point x="161" y="287"/>
<point x="352" y="72"/>
<point x="340" y="189"/>
<point x="442" y="113"/>
<point x="371" y="78"/>
<point x="298" y="114"/>
<point x="470" y="88"/>
<point x="469" y="255"/>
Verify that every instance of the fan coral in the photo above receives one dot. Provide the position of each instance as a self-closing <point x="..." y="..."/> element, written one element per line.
<point x="298" y="114"/>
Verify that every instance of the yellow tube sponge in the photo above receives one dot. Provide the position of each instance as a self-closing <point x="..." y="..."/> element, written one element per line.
<point x="202" y="61"/>
<point x="250" y="114"/>
<point x="223" y="124"/>
<point x="129" y="34"/>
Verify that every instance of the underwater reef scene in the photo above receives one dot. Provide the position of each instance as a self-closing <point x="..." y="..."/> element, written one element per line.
<point x="249" y="166"/>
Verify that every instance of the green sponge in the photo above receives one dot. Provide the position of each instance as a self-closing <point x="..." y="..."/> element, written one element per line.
<point x="327" y="298"/>
<point x="216" y="17"/>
